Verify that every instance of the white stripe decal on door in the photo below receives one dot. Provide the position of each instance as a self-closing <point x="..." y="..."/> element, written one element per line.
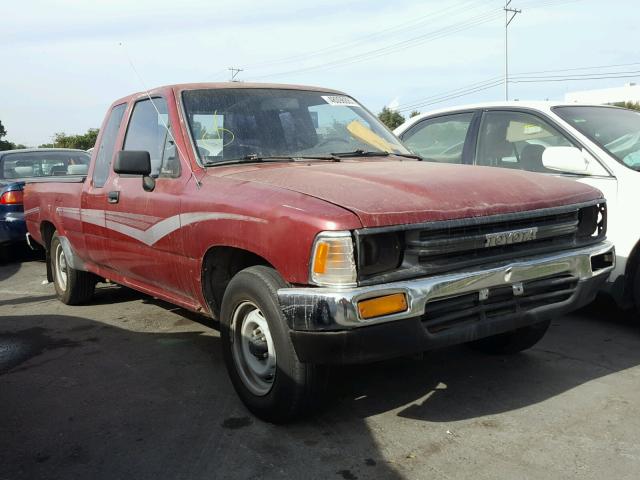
<point x="123" y="222"/>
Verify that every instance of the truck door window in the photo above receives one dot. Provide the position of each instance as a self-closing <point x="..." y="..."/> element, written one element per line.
<point x="107" y="144"/>
<point x="516" y="140"/>
<point x="147" y="132"/>
<point x="439" y="139"/>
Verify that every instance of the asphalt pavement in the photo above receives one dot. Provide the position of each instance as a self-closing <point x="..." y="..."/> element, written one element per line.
<point x="130" y="387"/>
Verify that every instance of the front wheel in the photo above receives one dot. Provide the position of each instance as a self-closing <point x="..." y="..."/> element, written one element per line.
<point x="72" y="286"/>
<point x="512" y="342"/>
<point x="260" y="358"/>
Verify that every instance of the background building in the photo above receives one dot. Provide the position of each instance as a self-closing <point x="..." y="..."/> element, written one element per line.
<point x="630" y="92"/>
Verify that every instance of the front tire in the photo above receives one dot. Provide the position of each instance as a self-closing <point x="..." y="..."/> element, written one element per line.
<point x="512" y="342"/>
<point x="260" y="358"/>
<point x="73" y="287"/>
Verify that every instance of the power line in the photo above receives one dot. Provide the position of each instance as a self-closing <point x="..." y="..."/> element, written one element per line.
<point x="575" y="69"/>
<point x="404" y="27"/>
<point x="499" y="82"/>
<point x="576" y="79"/>
<point x="419" y="103"/>
<point x="462" y="93"/>
<point x="520" y="77"/>
<point x="417" y="23"/>
<point x="411" y="42"/>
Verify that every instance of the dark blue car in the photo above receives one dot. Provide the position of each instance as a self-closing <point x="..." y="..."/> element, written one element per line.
<point x="31" y="165"/>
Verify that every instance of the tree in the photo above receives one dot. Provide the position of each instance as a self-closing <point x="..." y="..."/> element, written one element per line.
<point x="391" y="118"/>
<point x="414" y="113"/>
<point x="83" y="141"/>
<point x="5" y="144"/>
<point x="630" y="105"/>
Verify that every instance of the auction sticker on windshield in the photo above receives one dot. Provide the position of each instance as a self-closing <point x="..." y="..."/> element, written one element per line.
<point x="340" y="100"/>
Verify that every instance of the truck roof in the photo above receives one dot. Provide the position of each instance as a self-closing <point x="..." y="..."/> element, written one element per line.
<point x="179" y="87"/>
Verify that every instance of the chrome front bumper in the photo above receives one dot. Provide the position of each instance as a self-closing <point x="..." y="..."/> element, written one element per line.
<point x="332" y="309"/>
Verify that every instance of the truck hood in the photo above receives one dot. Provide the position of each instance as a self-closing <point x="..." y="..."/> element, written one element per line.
<point x="383" y="193"/>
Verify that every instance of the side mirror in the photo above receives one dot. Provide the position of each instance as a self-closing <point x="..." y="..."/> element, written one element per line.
<point x="565" y="159"/>
<point x="133" y="162"/>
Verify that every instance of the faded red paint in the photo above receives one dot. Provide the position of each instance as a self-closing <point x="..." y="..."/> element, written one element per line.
<point x="291" y="202"/>
<point x="394" y="192"/>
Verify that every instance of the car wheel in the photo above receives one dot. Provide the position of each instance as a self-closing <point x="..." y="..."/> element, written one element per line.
<point x="260" y="358"/>
<point x="512" y="342"/>
<point x="72" y="286"/>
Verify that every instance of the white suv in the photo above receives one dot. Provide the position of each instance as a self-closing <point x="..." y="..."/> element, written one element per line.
<point x="594" y="144"/>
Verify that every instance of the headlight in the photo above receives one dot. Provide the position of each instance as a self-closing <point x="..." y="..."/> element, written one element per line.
<point x="332" y="260"/>
<point x="379" y="253"/>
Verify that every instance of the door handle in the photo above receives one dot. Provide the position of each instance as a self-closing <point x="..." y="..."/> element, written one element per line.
<point x="113" y="197"/>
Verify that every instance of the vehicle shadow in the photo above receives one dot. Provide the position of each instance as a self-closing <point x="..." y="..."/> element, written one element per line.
<point x="112" y="294"/>
<point x="83" y="399"/>
<point x="12" y="257"/>
<point x="457" y="383"/>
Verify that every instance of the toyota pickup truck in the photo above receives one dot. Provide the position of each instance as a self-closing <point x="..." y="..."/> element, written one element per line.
<point x="295" y="218"/>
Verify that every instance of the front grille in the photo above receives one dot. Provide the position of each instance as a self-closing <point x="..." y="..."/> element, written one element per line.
<point x="462" y="310"/>
<point x="447" y="246"/>
<point x="453" y="248"/>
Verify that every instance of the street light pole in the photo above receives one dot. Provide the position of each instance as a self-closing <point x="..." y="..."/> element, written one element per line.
<point x="507" y="21"/>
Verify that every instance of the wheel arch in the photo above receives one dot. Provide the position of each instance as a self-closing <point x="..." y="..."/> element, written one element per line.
<point x="219" y="264"/>
<point x="633" y="264"/>
<point x="47" y="229"/>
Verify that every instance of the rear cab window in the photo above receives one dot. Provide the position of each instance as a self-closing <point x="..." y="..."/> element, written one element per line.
<point x="44" y="164"/>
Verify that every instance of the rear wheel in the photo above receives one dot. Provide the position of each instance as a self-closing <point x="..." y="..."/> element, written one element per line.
<point x="260" y="358"/>
<point x="512" y="342"/>
<point x="72" y="286"/>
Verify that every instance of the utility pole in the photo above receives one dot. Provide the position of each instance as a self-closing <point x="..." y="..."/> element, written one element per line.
<point x="507" y="20"/>
<point x="234" y="73"/>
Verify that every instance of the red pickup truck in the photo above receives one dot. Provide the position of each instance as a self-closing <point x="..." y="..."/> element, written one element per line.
<point x="298" y="220"/>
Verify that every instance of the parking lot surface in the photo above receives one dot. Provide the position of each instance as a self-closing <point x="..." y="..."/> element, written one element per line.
<point x="132" y="387"/>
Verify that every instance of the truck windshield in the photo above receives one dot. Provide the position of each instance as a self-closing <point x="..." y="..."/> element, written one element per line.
<point x="44" y="164"/>
<point x="237" y="123"/>
<point x="617" y="130"/>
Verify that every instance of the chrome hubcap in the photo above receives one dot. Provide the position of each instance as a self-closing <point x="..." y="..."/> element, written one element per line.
<point x="61" y="267"/>
<point x="253" y="350"/>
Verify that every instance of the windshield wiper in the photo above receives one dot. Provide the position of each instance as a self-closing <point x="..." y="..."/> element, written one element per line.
<point x="375" y="153"/>
<point x="361" y="153"/>
<point x="254" y="158"/>
<point x="409" y="155"/>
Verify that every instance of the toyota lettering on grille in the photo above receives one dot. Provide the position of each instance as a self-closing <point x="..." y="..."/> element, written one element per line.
<point x="507" y="238"/>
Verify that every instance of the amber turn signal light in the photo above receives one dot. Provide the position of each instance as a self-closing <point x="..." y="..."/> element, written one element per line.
<point x="379" y="306"/>
<point x="320" y="263"/>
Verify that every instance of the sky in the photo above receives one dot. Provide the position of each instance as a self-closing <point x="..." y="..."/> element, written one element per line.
<point x="64" y="62"/>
